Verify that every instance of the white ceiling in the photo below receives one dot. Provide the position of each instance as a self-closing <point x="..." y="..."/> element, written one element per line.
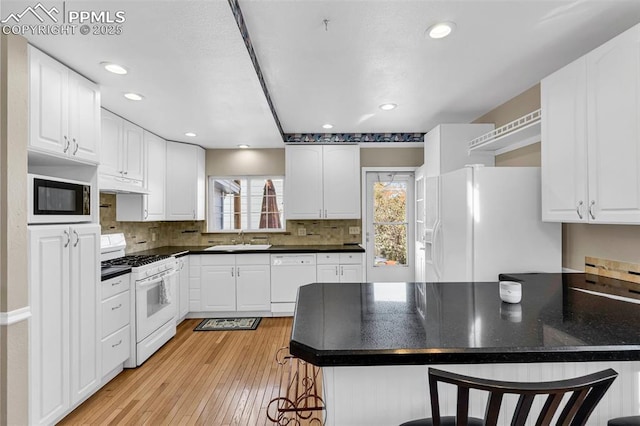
<point x="189" y="61"/>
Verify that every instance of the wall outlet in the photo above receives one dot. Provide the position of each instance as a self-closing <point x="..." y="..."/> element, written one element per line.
<point x="354" y="230"/>
<point x="154" y="236"/>
<point x="302" y="232"/>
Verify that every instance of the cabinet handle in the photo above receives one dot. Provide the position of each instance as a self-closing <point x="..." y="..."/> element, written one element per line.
<point x="320" y="213"/>
<point x="117" y="344"/>
<point x="68" y="239"/>
<point x="342" y="270"/>
<point x="66" y="145"/>
<point x="116" y="283"/>
<point x="194" y="214"/>
<point x="75" y="150"/>
<point x="238" y="272"/>
<point x="591" y="209"/>
<point x="336" y="270"/>
<point x="146" y="213"/>
<point x="232" y="271"/>
<point x="125" y="172"/>
<point x="578" y="208"/>
<point x="325" y="214"/>
<point x="77" y="238"/>
<point x="116" y="307"/>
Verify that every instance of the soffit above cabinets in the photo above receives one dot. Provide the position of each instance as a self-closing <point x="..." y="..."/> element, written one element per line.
<point x="189" y="61"/>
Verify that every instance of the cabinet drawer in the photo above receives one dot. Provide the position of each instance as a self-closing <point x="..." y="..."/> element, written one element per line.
<point x="115" y="313"/>
<point x="327" y="258"/>
<point x="115" y="349"/>
<point x="115" y="285"/>
<point x="350" y="258"/>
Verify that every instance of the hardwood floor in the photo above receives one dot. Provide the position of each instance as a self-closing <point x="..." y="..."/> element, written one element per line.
<point x="213" y="378"/>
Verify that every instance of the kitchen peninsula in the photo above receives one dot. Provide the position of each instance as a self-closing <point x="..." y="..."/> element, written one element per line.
<point x="374" y="341"/>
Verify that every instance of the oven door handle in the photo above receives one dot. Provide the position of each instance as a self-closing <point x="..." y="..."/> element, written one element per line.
<point x="142" y="284"/>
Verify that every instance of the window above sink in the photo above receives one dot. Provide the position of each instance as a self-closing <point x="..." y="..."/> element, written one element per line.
<point x="245" y="204"/>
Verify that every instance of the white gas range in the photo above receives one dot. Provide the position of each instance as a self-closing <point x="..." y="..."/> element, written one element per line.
<point x="153" y="296"/>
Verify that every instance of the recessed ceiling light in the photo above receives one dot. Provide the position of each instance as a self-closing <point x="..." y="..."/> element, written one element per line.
<point x="243" y="146"/>
<point x="441" y="29"/>
<point x="114" y="68"/>
<point x="387" y="107"/>
<point x="190" y="134"/>
<point x="133" y="96"/>
<point x="327" y="126"/>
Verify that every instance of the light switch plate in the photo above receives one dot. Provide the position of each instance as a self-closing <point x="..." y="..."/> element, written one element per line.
<point x="302" y="232"/>
<point x="354" y="230"/>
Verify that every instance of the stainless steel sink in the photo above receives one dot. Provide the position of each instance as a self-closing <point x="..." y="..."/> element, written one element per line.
<point x="233" y="247"/>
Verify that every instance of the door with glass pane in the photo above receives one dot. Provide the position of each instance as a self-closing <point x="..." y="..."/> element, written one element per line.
<point x="390" y="233"/>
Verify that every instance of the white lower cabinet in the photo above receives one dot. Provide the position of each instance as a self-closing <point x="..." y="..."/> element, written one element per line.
<point x="230" y="283"/>
<point x="116" y="321"/>
<point x="339" y="267"/>
<point x="183" y="288"/>
<point x="64" y="343"/>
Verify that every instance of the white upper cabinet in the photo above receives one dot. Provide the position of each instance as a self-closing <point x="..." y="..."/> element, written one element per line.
<point x="151" y="206"/>
<point x="64" y="110"/>
<point x="591" y="136"/>
<point x="322" y="182"/>
<point x="185" y="182"/>
<point x="446" y="148"/>
<point x="564" y="144"/>
<point x="124" y="154"/>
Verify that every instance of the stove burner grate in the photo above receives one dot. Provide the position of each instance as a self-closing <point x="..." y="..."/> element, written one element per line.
<point x="135" y="260"/>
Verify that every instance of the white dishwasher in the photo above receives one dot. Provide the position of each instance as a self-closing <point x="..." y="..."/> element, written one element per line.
<point x="288" y="272"/>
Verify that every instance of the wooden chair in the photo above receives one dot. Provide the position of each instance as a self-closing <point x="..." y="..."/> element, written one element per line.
<point x="586" y="392"/>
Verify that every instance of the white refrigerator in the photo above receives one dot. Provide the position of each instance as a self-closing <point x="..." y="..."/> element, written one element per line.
<point x="483" y="221"/>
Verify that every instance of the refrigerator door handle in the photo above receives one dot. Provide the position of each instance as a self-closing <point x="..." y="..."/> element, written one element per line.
<point x="436" y="250"/>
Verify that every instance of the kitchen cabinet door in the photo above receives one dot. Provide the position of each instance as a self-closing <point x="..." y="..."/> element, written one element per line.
<point x="564" y="144"/>
<point x="253" y="286"/>
<point x="155" y="172"/>
<point x="48" y="103"/>
<point x="49" y="360"/>
<point x="341" y="181"/>
<point x="591" y="136"/>
<point x="328" y="273"/>
<point x="85" y="323"/>
<point x="183" y="308"/>
<point x="218" y="288"/>
<point x="185" y="178"/>
<point x="351" y="273"/>
<point x="84" y="118"/>
<point x="64" y="358"/>
<point x="111" y="134"/>
<point x="613" y="106"/>
<point x="64" y="110"/>
<point x="303" y="182"/>
<point x="322" y="182"/>
<point x="132" y="155"/>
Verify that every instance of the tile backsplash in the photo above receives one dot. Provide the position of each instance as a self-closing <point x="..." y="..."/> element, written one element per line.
<point x="148" y="235"/>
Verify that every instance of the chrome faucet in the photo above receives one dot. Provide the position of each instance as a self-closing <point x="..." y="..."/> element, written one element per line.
<point x="241" y="236"/>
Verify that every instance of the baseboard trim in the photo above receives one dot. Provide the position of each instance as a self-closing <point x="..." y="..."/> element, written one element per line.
<point x="15" y="316"/>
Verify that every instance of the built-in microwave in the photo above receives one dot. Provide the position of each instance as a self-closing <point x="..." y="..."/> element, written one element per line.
<point x="56" y="200"/>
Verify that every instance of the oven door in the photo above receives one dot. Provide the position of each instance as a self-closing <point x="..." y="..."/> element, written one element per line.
<point x="152" y="312"/>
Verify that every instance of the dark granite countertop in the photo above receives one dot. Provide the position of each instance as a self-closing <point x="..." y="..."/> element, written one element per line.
<point x="183" y="250"/>
<point x="340" y="324"/>
<point x="114" y="271"/>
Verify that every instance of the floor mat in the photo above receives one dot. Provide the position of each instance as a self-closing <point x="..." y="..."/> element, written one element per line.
<point x="218" y="324"/>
